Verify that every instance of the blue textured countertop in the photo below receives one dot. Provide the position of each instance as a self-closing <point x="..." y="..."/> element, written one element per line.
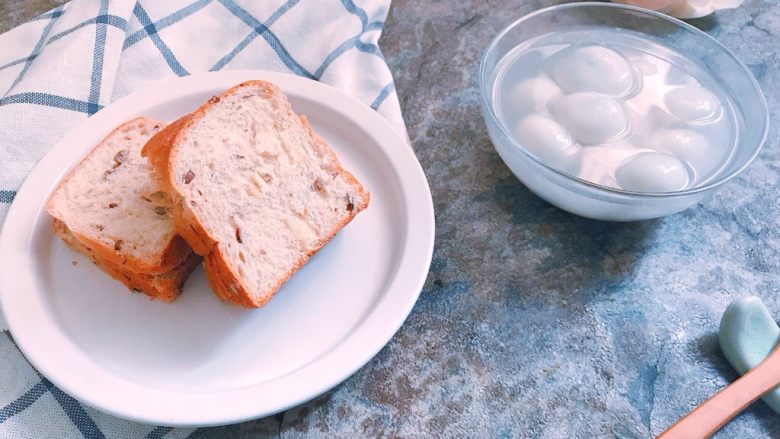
<point x="533" y="322"/>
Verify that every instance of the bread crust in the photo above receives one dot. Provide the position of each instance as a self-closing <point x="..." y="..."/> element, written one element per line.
<point x="227" y="284"/>
<point x="165" y="286"/>
<point x="158" y="150"/>
<point x="176" y="252"/>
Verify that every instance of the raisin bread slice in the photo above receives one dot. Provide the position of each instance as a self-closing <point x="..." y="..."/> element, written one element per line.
<point x="112" y="204"/>
<point x="165" y="286"/>
<point x="257" y="191"/>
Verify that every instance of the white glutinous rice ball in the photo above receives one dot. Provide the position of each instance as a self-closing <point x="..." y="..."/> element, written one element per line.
<point x="533" y="94"/>
<point x="547" y="140"/>
<point x="652" y="172"/>
<point x="682" y="143"/>
<point x="692" y="103"/>
<point x="592" y="68"/>
<point x="591" y="118"/>
<point x="644" y="67"/>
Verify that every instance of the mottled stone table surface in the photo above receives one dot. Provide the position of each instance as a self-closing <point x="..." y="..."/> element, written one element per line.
<point x="534" y="322"/>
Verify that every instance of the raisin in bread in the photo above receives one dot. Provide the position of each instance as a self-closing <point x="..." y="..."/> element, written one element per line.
<point x="257" y="191"/>
<point x="112" y="206"/>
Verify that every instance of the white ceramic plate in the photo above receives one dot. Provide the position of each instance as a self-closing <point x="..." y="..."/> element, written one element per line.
<point x="198" y="361"/>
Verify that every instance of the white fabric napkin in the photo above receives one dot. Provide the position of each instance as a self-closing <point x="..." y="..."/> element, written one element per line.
<point x="67" y="64"/>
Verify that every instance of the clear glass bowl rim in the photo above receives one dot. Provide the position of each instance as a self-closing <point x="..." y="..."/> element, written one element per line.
<point x="716" y="182"/>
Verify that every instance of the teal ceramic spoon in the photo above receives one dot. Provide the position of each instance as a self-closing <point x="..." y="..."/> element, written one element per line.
<point x="748" y="337"/>
<point x="747" y="334"/>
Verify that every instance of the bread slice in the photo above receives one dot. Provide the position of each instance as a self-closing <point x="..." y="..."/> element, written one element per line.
<point x="257" y="191"/>
<point x="165" y="287"/>
<point x="112" y="206"/>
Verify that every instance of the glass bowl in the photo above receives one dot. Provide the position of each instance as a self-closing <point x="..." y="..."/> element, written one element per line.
<point x="592" y="200"/>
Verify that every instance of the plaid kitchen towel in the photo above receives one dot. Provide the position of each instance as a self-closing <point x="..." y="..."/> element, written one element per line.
<point x="68" y="63"/>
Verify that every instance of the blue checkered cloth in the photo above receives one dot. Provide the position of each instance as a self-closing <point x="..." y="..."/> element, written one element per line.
<point x="68" y="63"/>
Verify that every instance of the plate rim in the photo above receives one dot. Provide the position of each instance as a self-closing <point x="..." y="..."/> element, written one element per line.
<point x="364" y="341"/>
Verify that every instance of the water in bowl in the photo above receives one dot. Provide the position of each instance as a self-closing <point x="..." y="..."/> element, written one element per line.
<point x="616" y="108"/>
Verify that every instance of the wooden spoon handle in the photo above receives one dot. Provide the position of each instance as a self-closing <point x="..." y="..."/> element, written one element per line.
<point x="706" y="419"/>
